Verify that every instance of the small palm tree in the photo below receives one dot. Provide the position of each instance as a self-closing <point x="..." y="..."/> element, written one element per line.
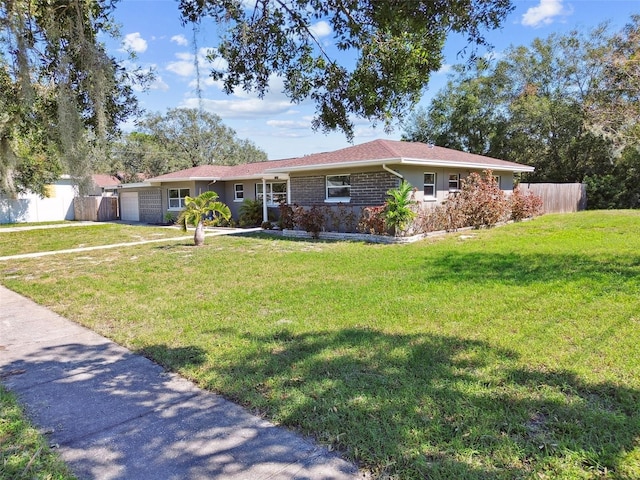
<point x="195" y="211"/>
<point x="398" y="212"/>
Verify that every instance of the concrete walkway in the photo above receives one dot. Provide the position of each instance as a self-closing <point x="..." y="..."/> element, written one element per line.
<point x="18" y="228"/>
<point x="116" y="415"/>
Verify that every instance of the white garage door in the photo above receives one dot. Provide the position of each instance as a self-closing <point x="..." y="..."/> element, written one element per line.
<point x="129" y="210"/>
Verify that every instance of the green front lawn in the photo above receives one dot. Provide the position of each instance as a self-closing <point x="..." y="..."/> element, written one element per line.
<point x="503" y="353"/>
<point x="50" y="239"/>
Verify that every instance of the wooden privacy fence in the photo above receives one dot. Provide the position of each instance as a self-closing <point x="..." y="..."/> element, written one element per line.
<point x="559" y="197"/>
<point x="96" y="209"/>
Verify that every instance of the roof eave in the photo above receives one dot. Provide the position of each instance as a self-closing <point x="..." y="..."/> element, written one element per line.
<point x="484" y="166"/>
<point x="135" y="185"/>
<point x="402" y="161"/>
<point x="257" y="176"/>
<point x="321" y="166"/>
<point x="158" y="181"/>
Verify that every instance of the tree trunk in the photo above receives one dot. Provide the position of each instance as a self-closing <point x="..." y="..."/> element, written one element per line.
<point x="198" y="237"/>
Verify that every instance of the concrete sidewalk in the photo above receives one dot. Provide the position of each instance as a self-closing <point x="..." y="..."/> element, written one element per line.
<point x="116" y="415"/>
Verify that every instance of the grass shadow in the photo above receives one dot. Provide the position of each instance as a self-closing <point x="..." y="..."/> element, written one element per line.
<point x="430" y="406"/>
<point x="483" y="267"/>
<point x="175" y="357"/>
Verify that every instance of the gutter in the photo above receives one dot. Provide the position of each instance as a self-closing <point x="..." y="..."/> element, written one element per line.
<point x="392" y="172"/>
<point x="473" y="166"/>
<point x="402" y="161"/>
<point x="337" y="165"/>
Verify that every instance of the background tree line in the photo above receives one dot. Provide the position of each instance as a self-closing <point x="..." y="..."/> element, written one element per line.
<point x="568" y="105"/>
<point x="181" y="138"/>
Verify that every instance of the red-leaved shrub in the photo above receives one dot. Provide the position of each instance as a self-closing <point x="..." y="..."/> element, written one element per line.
<point x="481" y="200"/>
<point x="524" y="205"/>
<point x="372" y="220"/>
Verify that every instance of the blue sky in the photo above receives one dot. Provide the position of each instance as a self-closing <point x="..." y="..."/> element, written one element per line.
<point x="152" y="29"/>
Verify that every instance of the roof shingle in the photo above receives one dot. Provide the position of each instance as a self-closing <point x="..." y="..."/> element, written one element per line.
<point x="389" y="151"/>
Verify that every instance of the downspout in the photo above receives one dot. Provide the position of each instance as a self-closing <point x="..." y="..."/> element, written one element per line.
<point x="288" y="191"/>
<point x="265" y="214"/>
<point x="392" y="172"/>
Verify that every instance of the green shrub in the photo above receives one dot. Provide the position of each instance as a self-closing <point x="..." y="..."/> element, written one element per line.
<point x="250" y="213"/>
<point x="399" y="208"/>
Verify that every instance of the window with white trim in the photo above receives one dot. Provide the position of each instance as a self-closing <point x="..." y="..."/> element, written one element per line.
<point x="176" y="198"/>
<point x="338" y="188"/>
<point x="430" y="185"/>
<point x="497" y="179"/>
<point x="276" y="193"/>
<point x="454" y="182"/>
<point x="238" y="192"/>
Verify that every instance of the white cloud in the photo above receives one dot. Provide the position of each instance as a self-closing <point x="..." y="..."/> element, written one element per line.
<point x="232" y="108"/>
<point x="183" y="66"/>
<point x="444" y="69"/>
<point x="180" y="40"/>
<point x="158" y="84"/>
<point x="134" y="42"/>
<point x="321" y="29"/>
<point x="545" y="13"/>
<point x="290" y="124"/>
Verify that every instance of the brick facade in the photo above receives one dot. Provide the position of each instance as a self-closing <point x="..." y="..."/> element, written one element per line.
<point x="308" y="190"/>
<point x="150" y="202"/>
<point x="369" y="188"/>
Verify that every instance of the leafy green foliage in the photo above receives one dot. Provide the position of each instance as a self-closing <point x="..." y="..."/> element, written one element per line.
<point x="251" y="213"/>
<point x="60" y="93"/>
<point x="396" y="46"/>
<point x="399" y="208"/>
<point x="465" y="115"/>
<point x="614" y="109"/>
<point x="190" y="137"/>
<point x="620" y="187"/>
<point x="135" y="156"/>
<point x="560" y="104"/>
<point x="205" y="205"/>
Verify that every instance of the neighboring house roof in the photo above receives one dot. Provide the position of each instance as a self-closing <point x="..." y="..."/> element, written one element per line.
<point x="105" y="181"/>
<point x="377" y="152"/>
<point x="202" y="172"/>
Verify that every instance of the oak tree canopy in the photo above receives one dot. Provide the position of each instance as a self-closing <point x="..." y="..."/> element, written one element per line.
<point x="395" y="46"/>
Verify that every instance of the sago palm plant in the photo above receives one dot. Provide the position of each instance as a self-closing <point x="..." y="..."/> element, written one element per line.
<point x="398" y="211"/>
<point x="196" y="210"/>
